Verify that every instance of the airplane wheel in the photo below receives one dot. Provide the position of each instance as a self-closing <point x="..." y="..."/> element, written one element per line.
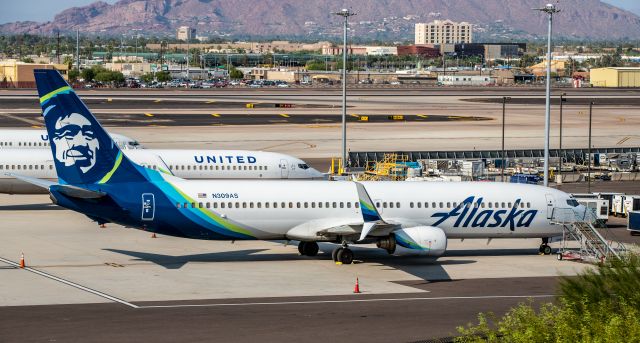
<point x="301" y="247"/>
<point x="310" y="249"/>
<point x="559" y="257"/>
<point x="345" y="256"/>
<point x="546" y="249"/>
<point x="334" y="254"/>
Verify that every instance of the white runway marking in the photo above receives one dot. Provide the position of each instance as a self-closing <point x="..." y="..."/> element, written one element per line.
<point x="349" y="301"/>
<point x="69" y="283"/>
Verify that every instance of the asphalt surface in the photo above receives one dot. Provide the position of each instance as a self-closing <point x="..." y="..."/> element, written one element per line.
<point x="358" y="318"/>
<point x="216" y="118"/>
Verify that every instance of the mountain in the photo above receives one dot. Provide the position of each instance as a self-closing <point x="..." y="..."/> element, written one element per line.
<point x="312" y="19"/>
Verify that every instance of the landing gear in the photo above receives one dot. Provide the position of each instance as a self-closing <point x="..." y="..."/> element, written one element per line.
<point x="308" y="248"/>
<point x="544" y="247"/>
<point x="342" y="254"/>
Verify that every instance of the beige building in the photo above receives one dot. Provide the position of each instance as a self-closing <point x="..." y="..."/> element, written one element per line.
<point x="130" y="69"/>
<point x="248" y="47"/>
<point x="185" y="33"/>
<point x="18" y="74"/>
<point x="443" y="32"/>
<point x="615" y="77"/>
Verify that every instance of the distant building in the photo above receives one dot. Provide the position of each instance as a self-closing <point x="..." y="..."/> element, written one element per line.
<point x="615" y="77"/>
<point x="489" y="51"/>
<point x="443" y="32"/>
<point x="17" y="74"/>
<point x="185" y="33"/>
<point x="427" y="51"/>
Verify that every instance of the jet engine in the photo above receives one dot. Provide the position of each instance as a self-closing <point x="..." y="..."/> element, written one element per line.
<point x="415" y="241"/>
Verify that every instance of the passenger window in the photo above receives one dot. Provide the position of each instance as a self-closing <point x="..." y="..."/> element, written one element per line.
<point x="341" y="204"/>
<point x="298" y="205"/>
<point x="320" y="204"/>
<point x="433" y="204"/>
<point x="335" y="204"/>
<point x="411" y="204"/>
<point x="290" y="205"/>
<point x="384" y="204"/>
<point x="177" y="205"/>
<point x="306" y="205"/>
<point x="215" y="205"/>
<point x="238" y="205"/>
<point x="259" y="204"/>
<point x="313" y="204"/>
<point x="275" y="205"/>
<point x="230" y="204"/>
<point x="509" y="205"/>
<point x="390" y="205"/>
<point x="193" y="205"/>
<point x="199" y="205"/>
<point x="489" y="205"/>
<point x="348" y="204"/>
<point x="521" y="205"/>
<point x="455" y="205"/>
<point x="221" y="205"/>
<point x="503" y="205"/>
<point x="397" y="205"/>
<point x="217" y="167"/>
<point x="357" y="204"/>
<point x="326" y="204"/>
<point x="482" y="205"/>
<point x="265" y="167"/>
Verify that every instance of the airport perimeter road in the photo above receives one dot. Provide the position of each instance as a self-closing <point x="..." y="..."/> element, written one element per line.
<point x="357" y="318"/>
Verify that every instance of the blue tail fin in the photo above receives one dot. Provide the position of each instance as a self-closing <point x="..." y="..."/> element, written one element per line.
<point x="83" y="151"/>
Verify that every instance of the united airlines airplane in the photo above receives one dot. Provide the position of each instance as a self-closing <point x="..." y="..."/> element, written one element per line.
<point x="404" y="218"/>
<point x="32" y="139"/>
<point x="188" y="164"/>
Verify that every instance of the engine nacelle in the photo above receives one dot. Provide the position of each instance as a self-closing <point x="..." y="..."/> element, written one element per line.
<point x="415" y="241"/>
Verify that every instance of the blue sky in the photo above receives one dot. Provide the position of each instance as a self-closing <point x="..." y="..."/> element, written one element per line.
<point x="44" y="10"/>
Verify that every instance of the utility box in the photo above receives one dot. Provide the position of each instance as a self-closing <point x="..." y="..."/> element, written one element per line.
<point x="618" y="206"/>
<point x="633" y="222"/>
<point x="631" y="203"/>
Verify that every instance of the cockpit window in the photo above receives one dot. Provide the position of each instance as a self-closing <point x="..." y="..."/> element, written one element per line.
<point x="572" y="202"/>
<point x="303" y="166"/>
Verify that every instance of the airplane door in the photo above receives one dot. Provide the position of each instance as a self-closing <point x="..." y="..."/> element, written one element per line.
<point x="284" y="169"/>
<point x="550" y="205"/>
<point x="148" y="206"/>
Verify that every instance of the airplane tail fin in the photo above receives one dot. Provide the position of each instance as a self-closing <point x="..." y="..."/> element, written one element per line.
<point x="83" y="151"/>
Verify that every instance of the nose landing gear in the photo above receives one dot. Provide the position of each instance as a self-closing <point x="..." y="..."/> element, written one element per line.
<point x="544" y="247"/>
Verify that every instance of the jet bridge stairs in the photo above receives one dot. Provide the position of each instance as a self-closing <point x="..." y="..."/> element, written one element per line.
<point x="592" y="246"/>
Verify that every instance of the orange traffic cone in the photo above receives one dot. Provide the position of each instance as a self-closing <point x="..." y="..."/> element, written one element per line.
<point x="356" y="289"/>
<point x="22" y="260"/>
<point x="154" y="235"/>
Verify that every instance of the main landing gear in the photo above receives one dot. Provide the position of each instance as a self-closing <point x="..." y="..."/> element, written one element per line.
<point x="308" y="248"/>
<point x="544" y="247"/>
<point x="342" y="254"/>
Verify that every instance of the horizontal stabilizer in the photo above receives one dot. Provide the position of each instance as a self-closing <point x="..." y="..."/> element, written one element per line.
<point x="68" y="190"/>
<point x="32" y="180"/>
<point x="77" y="192"/>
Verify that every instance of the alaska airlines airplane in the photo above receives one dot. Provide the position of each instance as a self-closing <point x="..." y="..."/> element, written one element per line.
<point x="404" y="218"/>
<point x="31" y="139"/>
<point x="187" y="164"/>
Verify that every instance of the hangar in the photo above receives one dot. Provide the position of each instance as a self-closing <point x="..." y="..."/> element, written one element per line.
<point x="615" y="77"/>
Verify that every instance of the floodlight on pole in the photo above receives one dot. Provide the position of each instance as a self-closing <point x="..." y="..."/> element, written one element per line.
<point x="550" y="9"/>
<point x="346" y="14"/>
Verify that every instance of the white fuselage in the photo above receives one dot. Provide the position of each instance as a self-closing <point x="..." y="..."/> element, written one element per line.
<point x="186" y="164"/>
<point x="39" y="139"/>
<point x="278" y="210"/>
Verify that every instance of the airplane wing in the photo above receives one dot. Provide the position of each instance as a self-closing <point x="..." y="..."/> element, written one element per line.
<point x="372" y="224"/>
<point x="72" y="191"/>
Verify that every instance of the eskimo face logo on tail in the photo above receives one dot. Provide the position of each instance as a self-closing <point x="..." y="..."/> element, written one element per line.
<point x="74" y="142"/>
<point x="471" y="213"/>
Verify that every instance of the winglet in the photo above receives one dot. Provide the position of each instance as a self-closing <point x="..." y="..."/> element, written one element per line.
<point x="369" y="211"/>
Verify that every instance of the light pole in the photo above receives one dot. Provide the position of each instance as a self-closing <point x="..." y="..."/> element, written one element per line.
<point x="589" y="151"/>
<point x="345" y="13"/>
<point x="504" y="106"/>
<point x="562" y="99"/>
<point x="550" y="9"/>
